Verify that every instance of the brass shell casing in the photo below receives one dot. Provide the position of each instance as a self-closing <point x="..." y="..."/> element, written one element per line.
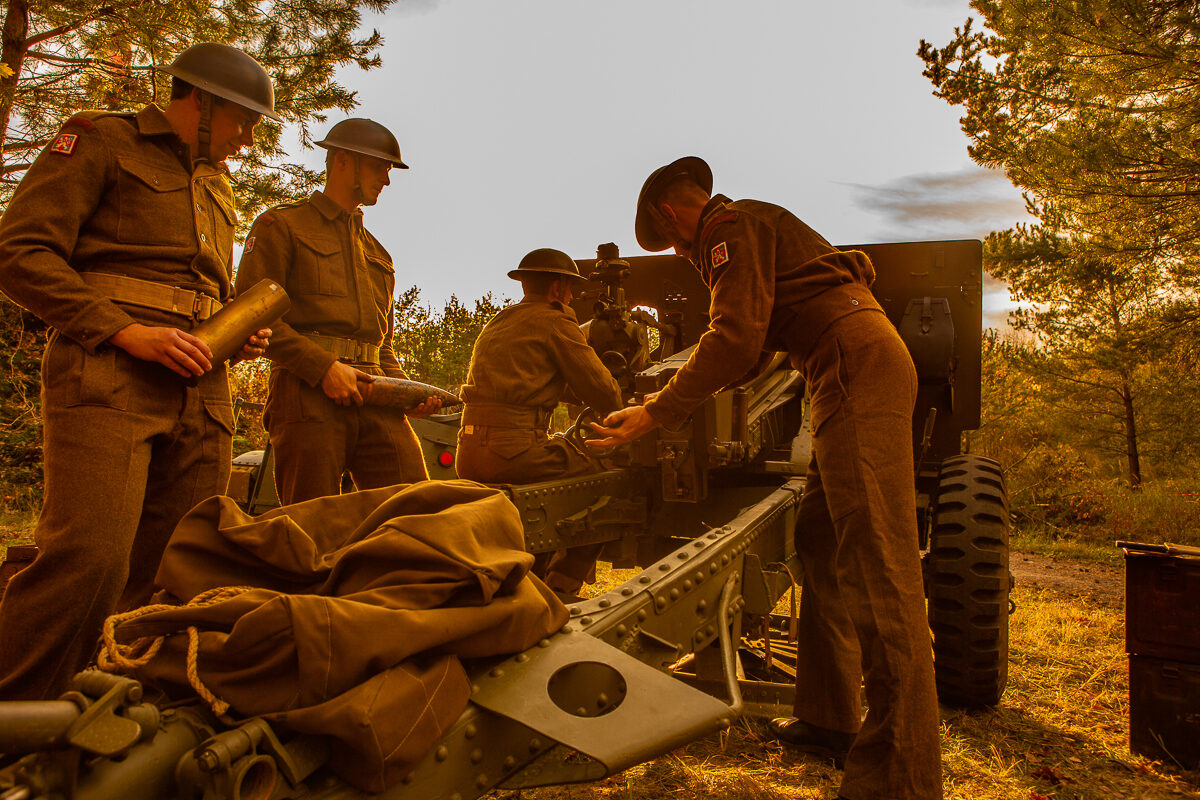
<point x="258" y="307"/>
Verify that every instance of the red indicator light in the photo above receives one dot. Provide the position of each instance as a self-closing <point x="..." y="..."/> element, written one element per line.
<point x="446" y="459"/>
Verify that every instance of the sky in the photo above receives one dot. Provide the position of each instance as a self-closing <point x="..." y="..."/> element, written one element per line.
<point x="534" y="123"/>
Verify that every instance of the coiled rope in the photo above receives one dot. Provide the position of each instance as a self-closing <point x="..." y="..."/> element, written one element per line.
<point x="117" y="657"/>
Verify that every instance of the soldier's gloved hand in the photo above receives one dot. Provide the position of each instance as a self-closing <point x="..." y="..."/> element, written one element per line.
<point x="340" y="383"/>
<point x="178" y="351"/>
<point x="621" y="426"/>
<point x="256" y="346"/>
<point x="431" y="405"/>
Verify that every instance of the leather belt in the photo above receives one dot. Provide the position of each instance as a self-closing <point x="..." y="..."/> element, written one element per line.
<point x="351" y="350"/>
<point x="148" y="294"/>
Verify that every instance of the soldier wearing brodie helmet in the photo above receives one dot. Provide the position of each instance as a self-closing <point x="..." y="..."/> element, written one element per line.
<point x="120" y="237"/>
<point x="528" y="358"/>
<point x="337" y="336"/>
<point x="778" y="286"/>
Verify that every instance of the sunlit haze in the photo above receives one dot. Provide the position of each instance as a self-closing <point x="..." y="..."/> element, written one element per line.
<point x="533" y="123"/>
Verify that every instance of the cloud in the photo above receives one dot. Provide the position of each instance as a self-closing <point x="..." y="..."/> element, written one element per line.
<point x="966" y="204"/>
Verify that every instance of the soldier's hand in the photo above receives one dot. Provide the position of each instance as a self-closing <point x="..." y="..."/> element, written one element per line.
<point x="430" y="405"/>
<point x="340" y="383"/>
<point x="256" y="346"/>
<point x="178" y="351"/>
<point x="621" y="426"/>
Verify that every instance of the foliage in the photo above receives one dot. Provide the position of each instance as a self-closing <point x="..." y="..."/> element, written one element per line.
<point x="21" y="338"/>
<point x="1090" y="105"/>
<point x="64" y="56"/>
<point x="248" y="383"/>
<point x="436" y="348"/>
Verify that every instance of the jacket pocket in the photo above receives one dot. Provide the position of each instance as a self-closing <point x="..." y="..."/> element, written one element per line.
<point x="154" y="204"/>
<point x="509" y="444"/>
<point x="290" y="400"/>
<point x="76" y="377"/>
<point x="319" y="266"/>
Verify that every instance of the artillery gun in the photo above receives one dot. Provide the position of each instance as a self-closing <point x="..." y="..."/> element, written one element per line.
<point x="688" y="643"/>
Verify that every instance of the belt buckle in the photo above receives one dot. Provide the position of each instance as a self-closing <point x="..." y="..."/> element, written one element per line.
<point x="198" y="300"/>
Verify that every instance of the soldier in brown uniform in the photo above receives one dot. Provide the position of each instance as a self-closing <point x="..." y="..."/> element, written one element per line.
<point x="527" y="359"/>
<point x="120" y="237"/>
<point x="778" y="285"/>
<point x="338" y="332"/>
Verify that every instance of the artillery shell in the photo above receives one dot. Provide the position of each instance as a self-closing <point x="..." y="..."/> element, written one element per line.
<point x="404" y="394"/>
<point x="226" y="331"/>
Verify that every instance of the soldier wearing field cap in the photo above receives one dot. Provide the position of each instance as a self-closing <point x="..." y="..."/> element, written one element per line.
<point x="120" y="237"/>
<point x="777" y="285"/>
<point x="527" y="359"/>
<point x="337" y="335"/>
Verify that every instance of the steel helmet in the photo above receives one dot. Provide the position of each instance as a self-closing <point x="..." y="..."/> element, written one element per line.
<point x="693" y="167"/>
<point x="546" y="261"/>
<point x="364" y="136"/>
<point x="228" y="73"/>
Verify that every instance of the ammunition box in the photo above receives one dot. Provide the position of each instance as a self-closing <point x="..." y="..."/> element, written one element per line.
<point x="1162" y="606"/>
<point x="1164" y="710"/>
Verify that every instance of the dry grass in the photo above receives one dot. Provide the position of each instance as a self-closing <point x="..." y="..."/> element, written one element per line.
<point x="16" y="527"/>
<point x="1061" y="731"/>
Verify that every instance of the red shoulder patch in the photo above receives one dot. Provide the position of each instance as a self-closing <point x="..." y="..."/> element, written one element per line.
<point x="82" y="122"/>
<point x="720" y="254"/>
<point x="64" y="145"/>
<point x="728" y="216"/>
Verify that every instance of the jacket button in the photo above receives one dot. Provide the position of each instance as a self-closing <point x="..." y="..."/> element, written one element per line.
<point x="204" y="238"/>
<point x="853" y="300"/>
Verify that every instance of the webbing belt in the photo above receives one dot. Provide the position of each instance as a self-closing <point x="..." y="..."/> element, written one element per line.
<point x="148" y="294"/>
<point x="348" y="349"/>
<point x="503" y="415"/>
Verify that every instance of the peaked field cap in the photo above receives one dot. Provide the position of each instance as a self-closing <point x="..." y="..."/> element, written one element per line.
<point x="228" y="73"/>
<point x="364" y="136"/>
<point x="546" y="261"/>
<point x="692" y="167"/>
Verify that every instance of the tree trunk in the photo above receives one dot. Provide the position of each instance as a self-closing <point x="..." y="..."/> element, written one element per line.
<point x="1131" y="447"/>
<point x="12" y="53"/>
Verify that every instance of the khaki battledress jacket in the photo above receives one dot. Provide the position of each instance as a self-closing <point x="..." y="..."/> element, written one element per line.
<point x="112" y="225"/>
<point x="777" y="285"/>
<point x="527" y="359"/>
<point x="340" y="280"/>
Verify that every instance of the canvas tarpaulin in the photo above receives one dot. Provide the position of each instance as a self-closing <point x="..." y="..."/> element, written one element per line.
<point x="351" y="614"/>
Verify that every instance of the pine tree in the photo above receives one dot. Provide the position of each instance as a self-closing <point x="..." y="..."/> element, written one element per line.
<point x="1089" y="107"/>
<point x="1093" y="105"/>
<point x="68" y="55"/>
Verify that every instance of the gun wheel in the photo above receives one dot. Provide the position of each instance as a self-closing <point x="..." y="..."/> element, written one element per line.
<point x="968" y="582"/>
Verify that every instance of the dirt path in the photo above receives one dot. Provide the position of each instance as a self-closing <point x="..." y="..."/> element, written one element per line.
<point x="1097" y="583"/>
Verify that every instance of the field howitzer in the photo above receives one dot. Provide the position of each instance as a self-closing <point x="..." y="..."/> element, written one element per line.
<point x="689" y="643"/>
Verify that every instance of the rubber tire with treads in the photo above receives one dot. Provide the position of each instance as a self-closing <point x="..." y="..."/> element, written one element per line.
<point x="969" y="581"/>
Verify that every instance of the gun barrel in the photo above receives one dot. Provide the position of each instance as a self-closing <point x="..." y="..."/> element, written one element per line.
<point x="27" y="726"/>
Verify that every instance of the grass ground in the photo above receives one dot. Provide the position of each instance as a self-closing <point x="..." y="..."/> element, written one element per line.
<point x="1061" y="731"/>
<point x="16" y="527"/>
